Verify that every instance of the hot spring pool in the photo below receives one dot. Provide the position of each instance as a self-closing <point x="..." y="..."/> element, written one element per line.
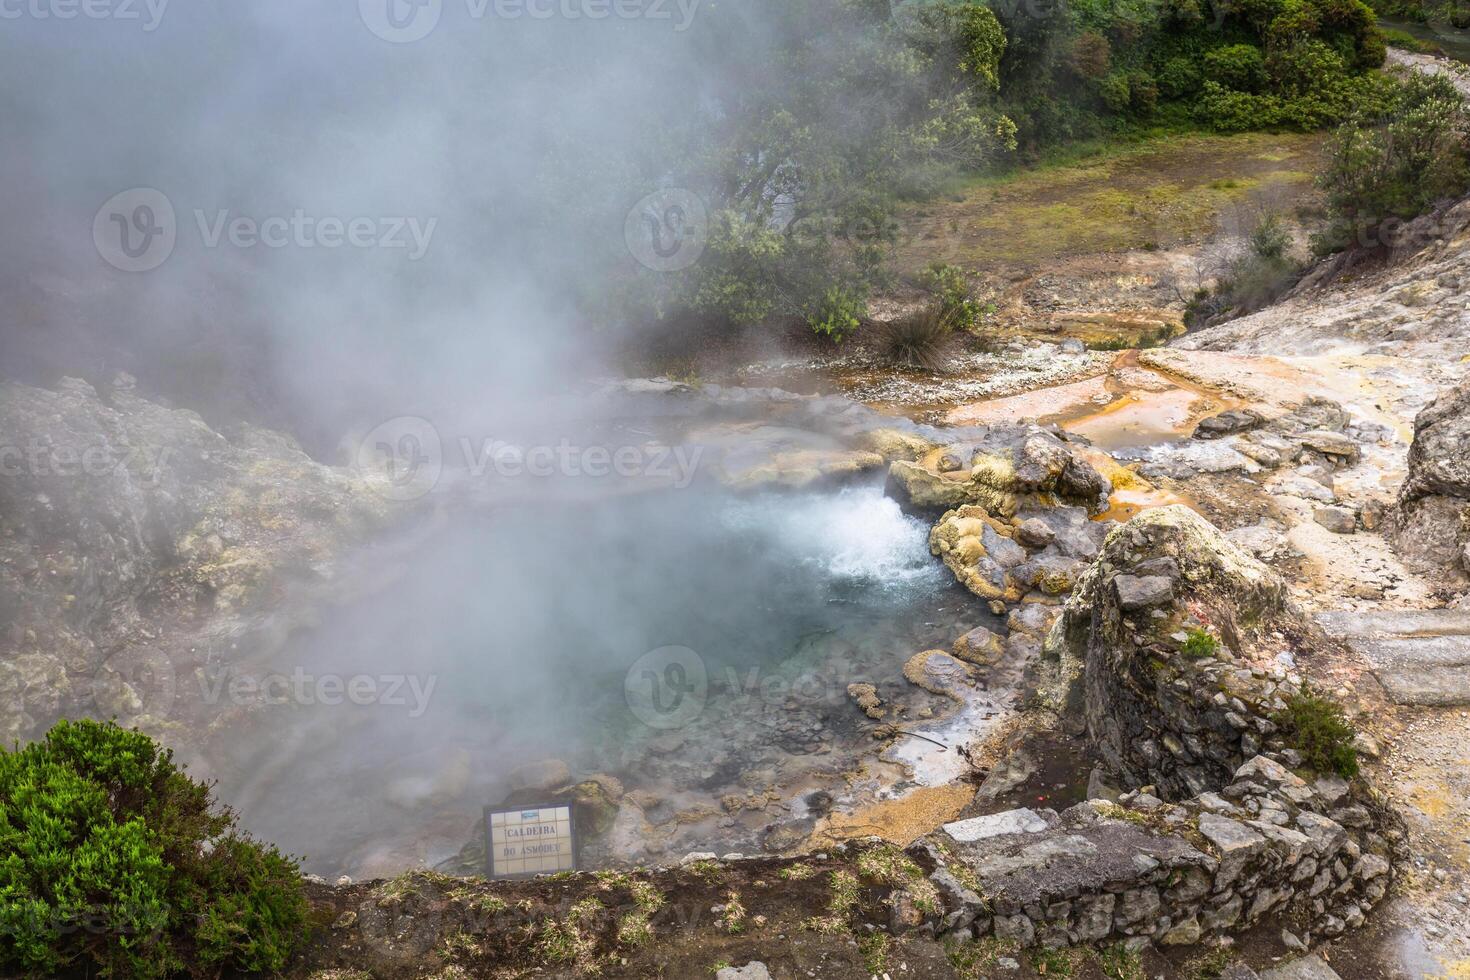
<point x="549" y="633"/>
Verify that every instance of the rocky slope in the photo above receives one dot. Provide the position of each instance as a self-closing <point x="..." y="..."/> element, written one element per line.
<point x="136" y="543"/>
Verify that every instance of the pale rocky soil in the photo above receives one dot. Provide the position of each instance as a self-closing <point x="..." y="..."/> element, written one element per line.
<point x="1382" y="341"/>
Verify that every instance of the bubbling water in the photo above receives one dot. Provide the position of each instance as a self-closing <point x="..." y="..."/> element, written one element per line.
<point x="528" y="621"/>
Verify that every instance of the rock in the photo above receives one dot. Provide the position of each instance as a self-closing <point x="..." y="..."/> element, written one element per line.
<point x="1143" y="592"/>
<point x="1186" y="933"/>
<point x="547" y="774"/>
<point x="1306" y="968"/>
<point x="1372" y="514"/>
<point x="1338" y="520"/>
<point x="938" y="673"/>
<point x="1299" y="485"/>
<point x="1422" y="657"/>
<point x="1034" y="533"/>
<point x="1237" y="845"/>
<point x="919" y="489"/>
<point x="1032" y="617"/>
<point x="1228" y="423"/>
<point x="996" y="825"/>
<point x="1041" y="462"/>
<point x="894" y="444"/>
<point x="865" y="696"/>
<point x="953" y="460"/>
<point x="755" y="970"/>
<point x="1431" y="522"/>
<point x="1333" y="444"/>
<point x="980" y="646"/>
<point x="1263" y="455"/>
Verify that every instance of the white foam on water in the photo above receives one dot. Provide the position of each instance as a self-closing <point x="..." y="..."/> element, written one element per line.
<point x="855" y="534"/>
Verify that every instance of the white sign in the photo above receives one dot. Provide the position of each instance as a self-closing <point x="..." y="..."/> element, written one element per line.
<point x="530" y="841"/>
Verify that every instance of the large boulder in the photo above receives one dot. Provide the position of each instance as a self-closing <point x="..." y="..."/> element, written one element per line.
<point x="1431" y="525"/>
<point x="1119" y="649"/>
<point x="1011" y="470"/>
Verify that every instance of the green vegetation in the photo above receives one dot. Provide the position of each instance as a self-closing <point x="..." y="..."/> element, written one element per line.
<point x="895" y="101"/>
<point x="732" y="919"/>
<point x="1118" y="962"/>
<point x="1199" y="643"/>
<point x="1444" y="14"/>
<point x="951" y="290"/>
<point x="845" y="898"/>
<point x="1319" y="730"/>
<point x="976" y="959"/>
<point x="113" y="861"/>
<point x="574" y="940"/>
<point x="1055" y="962"/>
<point x="1208" y="966"/>
<point x="924" y="339"/>
<point x="874" y="949"/>
<point x="1403" y="39"/>
<point x="1393" y="163"/>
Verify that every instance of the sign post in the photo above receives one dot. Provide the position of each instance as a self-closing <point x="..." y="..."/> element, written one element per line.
<point x="529" y="840"/>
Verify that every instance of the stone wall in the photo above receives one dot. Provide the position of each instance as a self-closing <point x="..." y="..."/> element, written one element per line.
<point x="1268" y="847"/>
<point x="1173" y="655"/>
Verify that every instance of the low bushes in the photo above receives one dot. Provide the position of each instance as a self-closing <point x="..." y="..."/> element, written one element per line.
<point x="1319" y="730"/>
<point x="1394" y="162"/>
<point x="113" y="861"/>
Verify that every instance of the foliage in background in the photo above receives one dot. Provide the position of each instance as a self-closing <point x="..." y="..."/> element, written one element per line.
<point x="1396" y="163"/>
<point x="950" y="288"/>
<point x="816" y="147"/>
<point x="113" y="861"/>
<point x="852" y="107"/>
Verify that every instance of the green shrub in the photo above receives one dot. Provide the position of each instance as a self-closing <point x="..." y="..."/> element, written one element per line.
<point x="1199" y="643"/>
<point x="113" y="861"/>
<point x="838" y="314"/>
<point x="1320" y="731"/>
<point x="1394" y="162"/>
<point x="1241" y="67"/>
<point x="1091" y="55"/>
<point x="951" y="290"/>
<point x="1235" y="112"/>
<point x="1143" y="92"/>
<point x="1114" y="91"/>
<point x="1179" y="77"/>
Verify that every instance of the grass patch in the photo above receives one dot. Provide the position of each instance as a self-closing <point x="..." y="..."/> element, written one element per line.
<point x="1055" y="962"/>
<point x="1403" y="39"/>
<point x="845" y="897"/>
<point x="635" y="928"/>
<point x="975" y="960"/>
<point x="874" y="948"/>
<point x="732" y="920"/>
<point x="1118" y="962"/>
<point x="1317" y="728"/>
<point x="924" y="340"/>
<point x="709" y="872"/>
<point x="1207" y="966"/>
<point x="573" y="941"/>
<point x="796" y="872"/>
<point x="890" y="866"/>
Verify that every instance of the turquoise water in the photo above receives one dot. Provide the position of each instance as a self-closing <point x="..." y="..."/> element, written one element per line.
<point x="597" y="634"/>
